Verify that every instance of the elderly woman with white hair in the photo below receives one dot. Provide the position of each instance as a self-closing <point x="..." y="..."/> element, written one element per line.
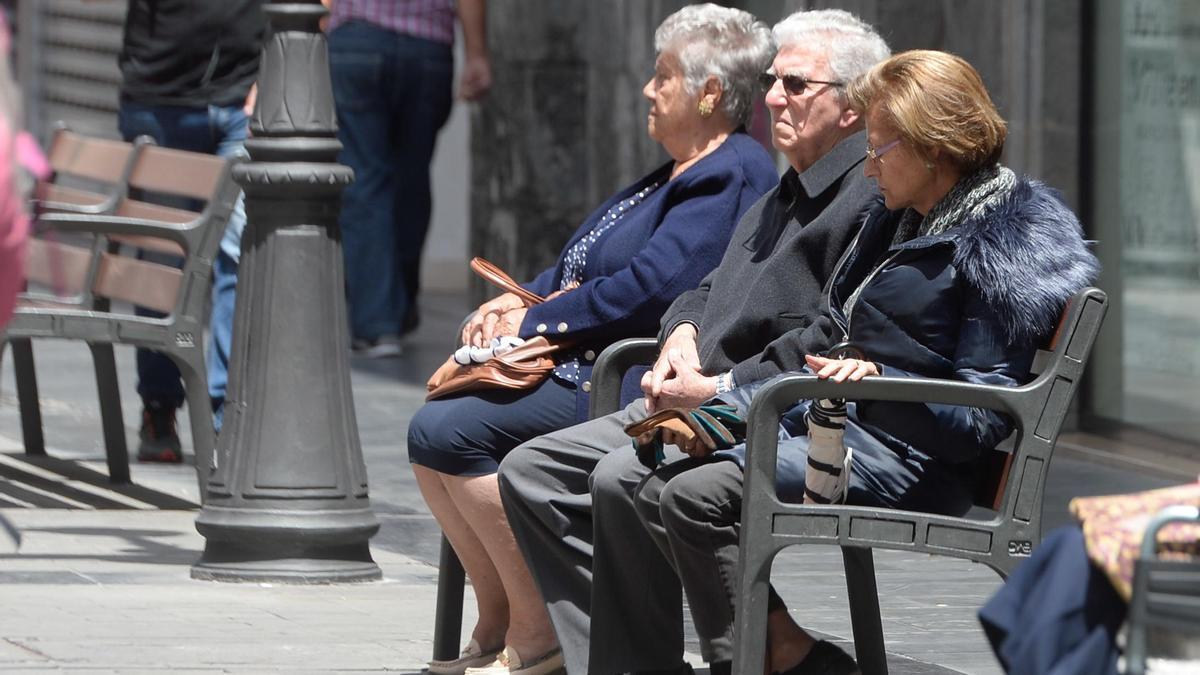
<point x="622" y="268"/>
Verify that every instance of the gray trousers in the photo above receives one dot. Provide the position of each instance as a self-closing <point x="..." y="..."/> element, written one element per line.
<point x="568" y="496"/>
<point x="692" y="509"/>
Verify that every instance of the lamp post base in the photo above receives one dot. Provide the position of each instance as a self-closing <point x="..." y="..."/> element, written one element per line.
<point x="311" y="547"/>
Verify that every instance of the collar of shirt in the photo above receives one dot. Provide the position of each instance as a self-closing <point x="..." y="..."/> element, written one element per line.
<point x="844" y="156"/>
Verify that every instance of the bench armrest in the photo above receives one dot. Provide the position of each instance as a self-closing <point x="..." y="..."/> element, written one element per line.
<point x="610" y="369"/>
<point x="119" y="225"/>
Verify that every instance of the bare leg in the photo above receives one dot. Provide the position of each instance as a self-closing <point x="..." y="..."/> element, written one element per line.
<point x="485" y="580"/>
<point x="478" y="500"/>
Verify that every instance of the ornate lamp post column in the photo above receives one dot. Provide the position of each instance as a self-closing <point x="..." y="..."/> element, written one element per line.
<point x="287" y="500"/>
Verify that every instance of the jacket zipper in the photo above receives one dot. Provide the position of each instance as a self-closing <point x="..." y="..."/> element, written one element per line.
<point x="849" y="312"/>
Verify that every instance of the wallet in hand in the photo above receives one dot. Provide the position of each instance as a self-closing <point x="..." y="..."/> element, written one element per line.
<point x="716" y="426"/>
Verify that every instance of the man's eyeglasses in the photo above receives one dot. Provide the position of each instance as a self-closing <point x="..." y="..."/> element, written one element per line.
<point x="793" y="84"/>
<point x="876" y="154"/>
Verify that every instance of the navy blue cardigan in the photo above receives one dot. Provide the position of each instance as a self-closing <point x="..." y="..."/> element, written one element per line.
<point x="661" y="248"/>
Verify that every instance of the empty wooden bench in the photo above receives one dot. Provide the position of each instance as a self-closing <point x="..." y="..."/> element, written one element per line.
<point x="87" y="268"/>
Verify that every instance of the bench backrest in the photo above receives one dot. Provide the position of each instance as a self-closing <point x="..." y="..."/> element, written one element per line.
<point x="994" y="467"/>
<point x="110" y="268"/>
<point x="86" y="173"/>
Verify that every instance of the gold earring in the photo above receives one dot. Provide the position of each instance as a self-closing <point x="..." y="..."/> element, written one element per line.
<point x="705" y="107"/>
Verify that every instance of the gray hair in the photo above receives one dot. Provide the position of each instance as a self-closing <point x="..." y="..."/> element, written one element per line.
<point x="851" y="44"/>
<point x="721" y="42"/>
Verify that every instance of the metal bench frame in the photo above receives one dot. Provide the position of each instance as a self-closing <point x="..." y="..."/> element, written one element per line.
<point x="1015" y="492"/>
<point x="90" y="318"/>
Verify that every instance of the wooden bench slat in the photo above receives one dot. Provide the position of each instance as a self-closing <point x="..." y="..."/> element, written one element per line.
<point x="49" y="192"/>
<point x="61" y="267"/>
<point x="140" y="282"/>
<point x="94" y="158"/>
<point x="158" y="170"/>
<point x="149" y="244"/>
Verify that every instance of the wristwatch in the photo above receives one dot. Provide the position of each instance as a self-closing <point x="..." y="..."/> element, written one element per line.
<point x="724" y="382"/>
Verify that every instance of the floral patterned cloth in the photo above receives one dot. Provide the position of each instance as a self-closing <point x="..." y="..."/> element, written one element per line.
<point x="1113" y="526"/>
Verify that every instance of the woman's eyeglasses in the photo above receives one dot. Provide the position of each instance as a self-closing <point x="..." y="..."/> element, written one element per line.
<point x="793" y="84"/>
<point x="876" y="154"/>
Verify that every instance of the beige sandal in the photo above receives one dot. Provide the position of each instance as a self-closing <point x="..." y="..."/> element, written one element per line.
<point x="509" y="663"/>
<point x="472" y="656"/>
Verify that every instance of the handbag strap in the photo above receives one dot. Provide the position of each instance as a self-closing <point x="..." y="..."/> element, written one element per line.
<point x="497" y="277"/>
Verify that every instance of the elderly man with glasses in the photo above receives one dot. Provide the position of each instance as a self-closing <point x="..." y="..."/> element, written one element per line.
<point x="613" y="594"/>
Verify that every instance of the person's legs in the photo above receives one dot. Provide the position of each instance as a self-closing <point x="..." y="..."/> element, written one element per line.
<point x="229" y="128"/>
<point x="453" y="444"/>
<point x="224" y="297"/>
<point x="544" y="486"/>
<point x="637" y="603"/>
<point x="420" y="109"/>
<point x="159" y="384"/>
<point x="363" y="77"/>
<point x="699" y="507"/>
<point x="478" y="500"/>
<point x="490" y="598"/>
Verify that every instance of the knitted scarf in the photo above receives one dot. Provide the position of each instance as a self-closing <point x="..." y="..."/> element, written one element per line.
<point x="971" y="197"/>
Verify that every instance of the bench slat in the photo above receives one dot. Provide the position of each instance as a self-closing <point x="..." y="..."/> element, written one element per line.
<point x="61" y="267"/>
<point x="61" y="194"/>
<point x="140" y="282"/>
<point x="158" y="170"/>
<point x="98" y="159"/>
<point x="149" y="243"/>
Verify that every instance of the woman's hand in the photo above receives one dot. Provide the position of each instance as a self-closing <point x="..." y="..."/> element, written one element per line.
<point x="840" y="370"/>
<point x="498" y="325"/>
<point x="472" y="333"/>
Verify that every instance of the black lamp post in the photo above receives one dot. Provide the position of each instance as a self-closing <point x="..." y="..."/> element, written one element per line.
<point x="287" y="500"/>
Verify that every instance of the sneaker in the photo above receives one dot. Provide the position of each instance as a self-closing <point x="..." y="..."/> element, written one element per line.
<point x="384" y="346"/>
<point x="159" y="440"/>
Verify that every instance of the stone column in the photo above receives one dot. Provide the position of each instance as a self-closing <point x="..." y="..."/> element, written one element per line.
<point x="287" y="500"/>
<point x="563" y="127"/>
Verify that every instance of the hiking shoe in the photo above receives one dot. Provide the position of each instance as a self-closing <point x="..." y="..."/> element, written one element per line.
<point x="384" y="346"/>
<point x="159" y="440"/>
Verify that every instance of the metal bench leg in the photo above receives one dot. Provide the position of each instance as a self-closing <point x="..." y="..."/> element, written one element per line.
<point x="750" y="612"/>
<point x="195" y="387"/>
<point x="864" y="610"/>
<point x="111" y="419"/>
<point x="447" y="626"/>
<point x="27" y="396"/>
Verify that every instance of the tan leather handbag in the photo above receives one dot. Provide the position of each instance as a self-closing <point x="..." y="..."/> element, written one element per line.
<point x="522" y="368"/>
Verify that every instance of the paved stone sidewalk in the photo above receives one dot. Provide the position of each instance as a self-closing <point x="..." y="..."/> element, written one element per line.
<point x="109" y="591"/>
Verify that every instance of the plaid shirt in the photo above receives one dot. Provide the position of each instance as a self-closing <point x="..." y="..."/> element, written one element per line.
<point x="428" y="19"/>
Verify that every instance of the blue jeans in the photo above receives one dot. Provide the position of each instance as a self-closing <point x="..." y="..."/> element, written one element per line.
<point x="218" y="130"/>
<point x="393" y="94"/>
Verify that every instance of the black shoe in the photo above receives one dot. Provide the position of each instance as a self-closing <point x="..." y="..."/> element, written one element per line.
<point x="159" y="439"/>
<point x="825" y="658"/>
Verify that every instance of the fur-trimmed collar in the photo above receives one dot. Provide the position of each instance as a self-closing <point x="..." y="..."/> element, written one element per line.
<point x="1027" y="256"/>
